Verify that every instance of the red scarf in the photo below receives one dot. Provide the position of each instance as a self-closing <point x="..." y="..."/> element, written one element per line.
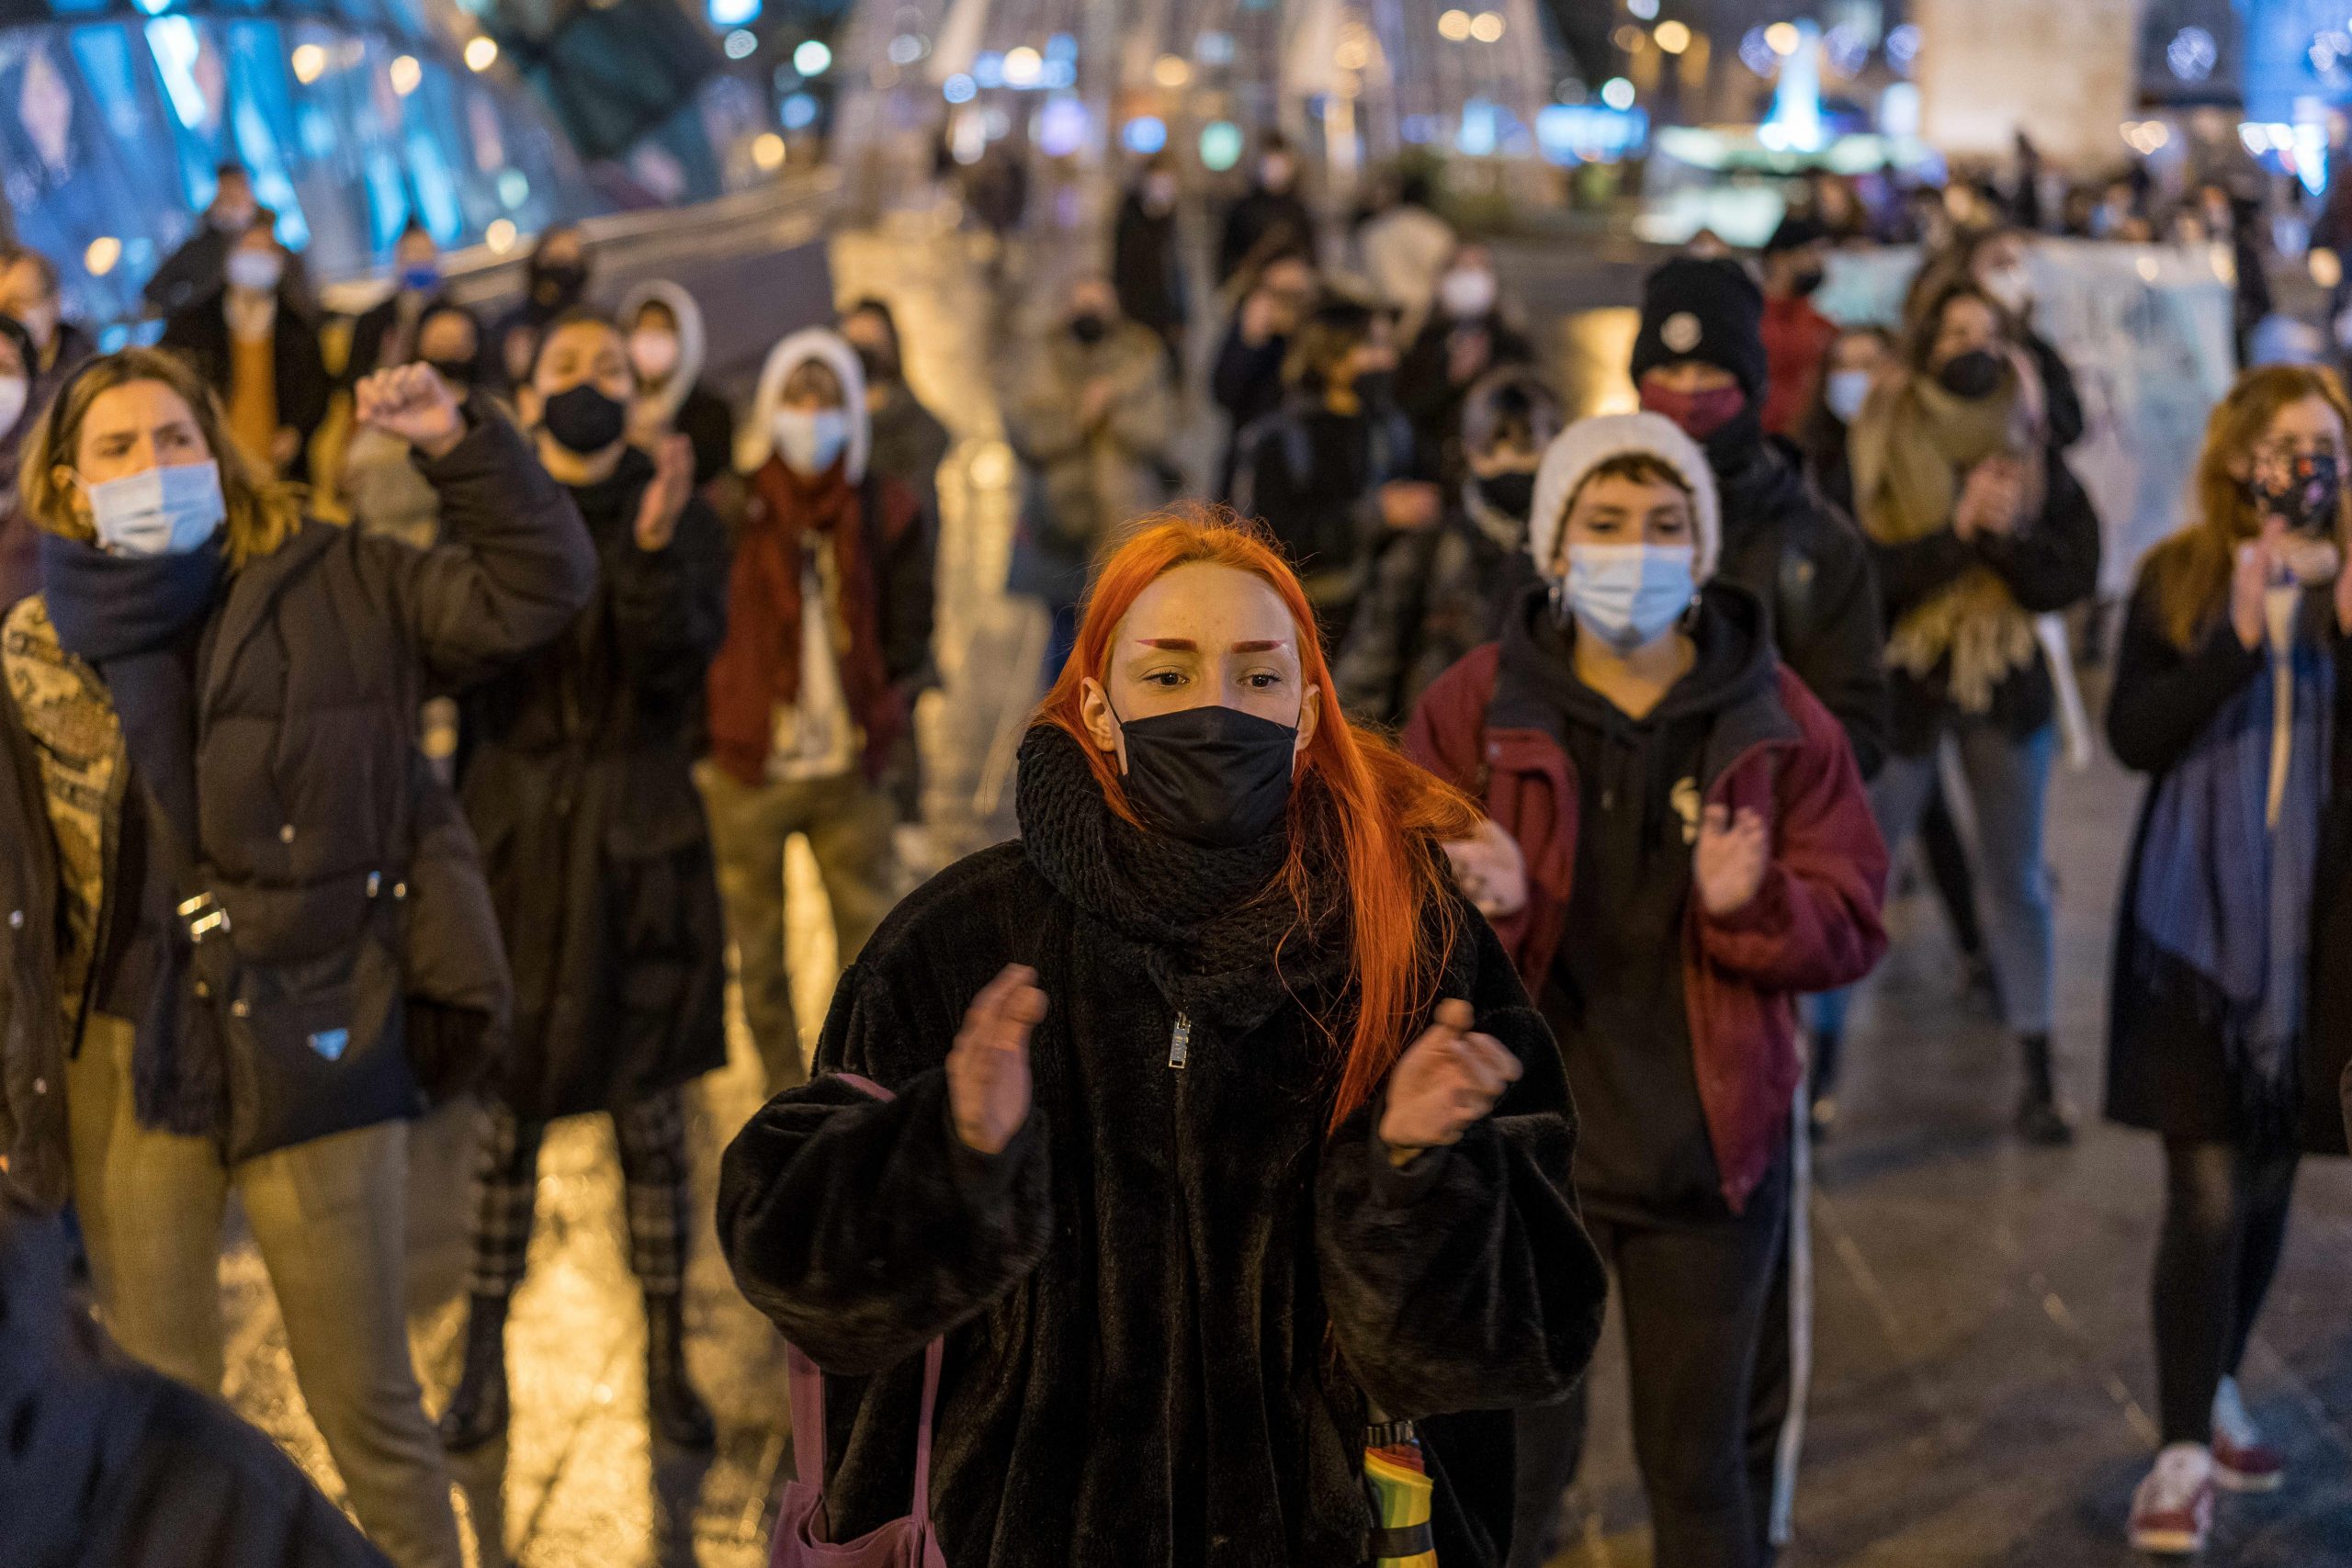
<point x="758" y="667"/>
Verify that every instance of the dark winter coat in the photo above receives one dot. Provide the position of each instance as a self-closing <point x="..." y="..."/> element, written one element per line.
<point x="579" y="778"/>
<point x="308" y="777"/>
<point x="1432" y="400"/>
<point x="908" y="444"/>
<point x="2166" y="1067"/>
<point x="368" y="333"/>
<point x="1166" y="1302"/>
<point x="1811" y="567"/>
<point x="2050" y="563"/>
<point x="1147" y="266"/>
<point x="1261" y="225"/>
<point x="1247" y="383"/>
<point x="1814" y="926"/>
<point x="112" y="1465"/>
<point x="1314" y="478"/>
<point x="1434" y="595"/>
<point x="199" y="334"/>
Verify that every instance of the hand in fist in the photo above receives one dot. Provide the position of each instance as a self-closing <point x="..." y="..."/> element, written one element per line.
<point x="1446" y="1081"/>
<point x="987" y="1072"/>
<point x="666" y="497"/>
<point x="1730" y="860"/>
<point x="412" y="402"/>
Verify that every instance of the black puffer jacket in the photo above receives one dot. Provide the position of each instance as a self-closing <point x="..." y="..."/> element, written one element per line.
<point x="579" y="778"/>
<point x="308" y="777"/>
<point x="108" y="1464"/>
<point x="1166" y="1302"/>
<point x="1811" y="565"/>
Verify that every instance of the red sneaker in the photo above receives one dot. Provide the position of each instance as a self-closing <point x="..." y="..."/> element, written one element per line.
<point x="2241" y="1461"/>
<point x="2172" y="1512"/>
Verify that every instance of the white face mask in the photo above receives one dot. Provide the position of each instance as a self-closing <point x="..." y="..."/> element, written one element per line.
<point x="653" y="353"/>
<point x="256" y="272"/>
<point x="810" y="443"/>
<point x="14" y="390"/>
<point x="2012" y="288"/>
<point x="1845" y="391"/>
<point x="165" y="511"/>
<point x="1467" y="292"/>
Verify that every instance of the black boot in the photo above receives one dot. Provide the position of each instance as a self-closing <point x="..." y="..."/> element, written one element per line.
<point x="1822" y="1096"/>
<point x="2042" y="1116"/>
<point x="477" y="1412"/>
<point x="676" y="1414"/>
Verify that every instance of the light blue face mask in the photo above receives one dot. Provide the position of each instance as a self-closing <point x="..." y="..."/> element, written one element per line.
<point x="1629" y="595"/>
<point x="165" y="511"/>
<point x="1845" y="391"/>
<point x="810" y="442"/>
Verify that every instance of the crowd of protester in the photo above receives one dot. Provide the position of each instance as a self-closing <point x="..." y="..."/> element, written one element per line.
<point x="1444" y="868"/>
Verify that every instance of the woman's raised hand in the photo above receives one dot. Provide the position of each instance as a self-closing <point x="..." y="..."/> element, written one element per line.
<point x="411" y="401"/>
<point x="1447" y="1081"/>
<point x="1491" y="870"/>
<point x="2250" y="578"/>
<point x="987" y="1071"/>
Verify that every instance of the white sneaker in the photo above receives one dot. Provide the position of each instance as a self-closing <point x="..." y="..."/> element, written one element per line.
<point x="2241" y="1461"/>
<point x="2172" y="1512"/>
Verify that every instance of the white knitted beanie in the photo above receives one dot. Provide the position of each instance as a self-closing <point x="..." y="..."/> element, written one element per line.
<point x="1590" y="442"/>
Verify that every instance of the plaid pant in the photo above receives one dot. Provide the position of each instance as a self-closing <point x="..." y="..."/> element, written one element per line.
<point x="653" y="1138"/>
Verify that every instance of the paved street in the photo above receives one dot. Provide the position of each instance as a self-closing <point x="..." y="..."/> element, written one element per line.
<point x="1984" y="1386"/>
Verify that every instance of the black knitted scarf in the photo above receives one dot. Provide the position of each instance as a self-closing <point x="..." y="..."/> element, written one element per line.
<point x="1222" y="936"/>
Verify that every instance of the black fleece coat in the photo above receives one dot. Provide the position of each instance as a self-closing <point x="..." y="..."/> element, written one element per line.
<point x="1810" y="565"/>
<point x="309" y="780"/>
<point x="580" y="781"/>
<point x="1166" y="1302"/>
<point x="2167" y="1067"/>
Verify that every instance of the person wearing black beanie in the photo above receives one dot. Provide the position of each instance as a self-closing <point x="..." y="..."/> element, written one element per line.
<point x="1699" y="360"/>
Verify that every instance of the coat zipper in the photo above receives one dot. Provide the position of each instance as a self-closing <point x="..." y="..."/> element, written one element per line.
<point x="1180" y="1043"/>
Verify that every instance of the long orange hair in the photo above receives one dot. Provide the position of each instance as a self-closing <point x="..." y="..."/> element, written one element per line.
<point x="1387" y="817"/>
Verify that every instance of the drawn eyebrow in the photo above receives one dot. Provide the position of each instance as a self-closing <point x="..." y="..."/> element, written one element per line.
<point x="1170" y="644"/>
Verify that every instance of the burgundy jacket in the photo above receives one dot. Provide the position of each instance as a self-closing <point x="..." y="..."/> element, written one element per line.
<point x="1812" y="926"/>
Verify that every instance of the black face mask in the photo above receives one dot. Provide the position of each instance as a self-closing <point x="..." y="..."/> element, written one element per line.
<point x="558" y="284"/>
<point x="1377" y="389"/>
<point x="880" y="370"/>
<point x="459" y="373"/>
<point x="1090" y="329"/>
<point x="1807" y="282"/>
<point x="584" y="420"/>
<point x="2309" y="500"/>
<point x="1974" y="375"/>
<point x="1511" y="494"/>
<point x="1214" y="776"/>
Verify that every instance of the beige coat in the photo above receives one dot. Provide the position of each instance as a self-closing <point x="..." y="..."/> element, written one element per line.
<point x="1092" y="477"/>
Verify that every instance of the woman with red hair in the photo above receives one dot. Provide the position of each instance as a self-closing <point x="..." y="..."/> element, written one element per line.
<point x="1223" y="1145"/>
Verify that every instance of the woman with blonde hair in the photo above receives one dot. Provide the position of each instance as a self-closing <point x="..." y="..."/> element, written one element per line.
<point x="2228" y="1030"/>
<point x="1977" y="527"/>
<point x="1228" y="1161"/>
<point x="249" y="936"/>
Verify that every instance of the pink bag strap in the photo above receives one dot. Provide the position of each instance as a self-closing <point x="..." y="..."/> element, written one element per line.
<point x="808" y="1391"/>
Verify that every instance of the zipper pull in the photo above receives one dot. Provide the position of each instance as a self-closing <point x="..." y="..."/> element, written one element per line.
<point x="1180" y="1044"/>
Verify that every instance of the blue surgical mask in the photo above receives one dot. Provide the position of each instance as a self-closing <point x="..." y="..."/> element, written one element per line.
<point x="421" y="279"/>
<point x="162" y="511"/>
<point x="810" y="443"/>
<point x="1628" y="595"/>
<point x="1845" y="391"/>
